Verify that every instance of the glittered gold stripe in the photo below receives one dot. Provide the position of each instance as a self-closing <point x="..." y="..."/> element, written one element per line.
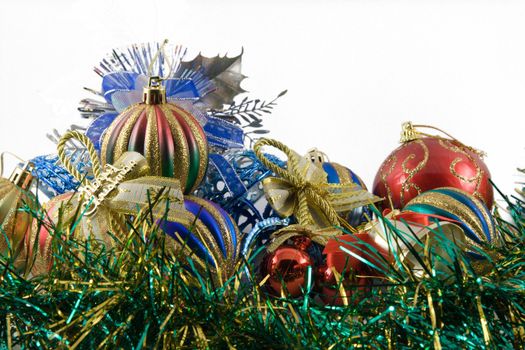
<point x="181" y="160"/>
<point x="445" y="202"/>
<point x="200" y="138"/>
<point x="151" y="143"/>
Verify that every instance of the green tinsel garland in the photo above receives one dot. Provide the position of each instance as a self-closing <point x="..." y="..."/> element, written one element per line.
<point x="144" y="298"/>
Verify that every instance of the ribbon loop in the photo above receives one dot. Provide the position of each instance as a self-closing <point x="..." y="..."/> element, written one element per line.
<point x="410" y="132"/>
<point x="319" y="236"/>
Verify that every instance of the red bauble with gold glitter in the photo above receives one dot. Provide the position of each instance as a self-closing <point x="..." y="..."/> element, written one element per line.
<point x="425" y="162"/>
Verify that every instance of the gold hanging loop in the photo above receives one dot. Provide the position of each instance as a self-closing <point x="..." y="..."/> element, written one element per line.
<point x="409" y="133"/>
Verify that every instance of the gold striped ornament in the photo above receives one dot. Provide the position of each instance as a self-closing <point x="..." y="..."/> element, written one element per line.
<point x="16" y="202"/>
<point x="171" y="138"/>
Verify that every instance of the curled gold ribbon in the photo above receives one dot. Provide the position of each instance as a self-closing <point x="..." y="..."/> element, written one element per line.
<point x="320" y="236"/>
<point x="302" y="189"/>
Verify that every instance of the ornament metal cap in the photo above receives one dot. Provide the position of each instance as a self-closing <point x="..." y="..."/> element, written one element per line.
<point x="154" y="93"/>
<point x="316" y="156"/>
<point x="22" y="176"/>
<point x="408" y="133"/>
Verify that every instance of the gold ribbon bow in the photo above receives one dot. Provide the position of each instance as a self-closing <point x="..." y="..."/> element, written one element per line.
<point x="123" y="187"/>
<point x="302" y="189"/>
<point x="319" y="236"/>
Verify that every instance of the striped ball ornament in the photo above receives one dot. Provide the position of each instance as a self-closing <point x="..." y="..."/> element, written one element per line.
<point x="338" y="174"/>
<point x="170" y="138"/>
<point x="15" y="220"/>
<point x="207" y="234"/>
<point x="470" y="213"/>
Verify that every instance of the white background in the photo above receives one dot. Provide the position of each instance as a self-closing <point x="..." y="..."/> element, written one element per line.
<point x="355" y="70"/>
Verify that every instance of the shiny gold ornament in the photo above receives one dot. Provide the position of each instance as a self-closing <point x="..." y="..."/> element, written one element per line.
<point x="15" y="221"/>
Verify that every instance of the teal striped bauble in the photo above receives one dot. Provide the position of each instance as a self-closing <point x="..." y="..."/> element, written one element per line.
<point x="466" y="210"/>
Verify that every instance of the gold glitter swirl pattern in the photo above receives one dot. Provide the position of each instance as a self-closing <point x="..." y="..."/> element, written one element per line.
<point x="407" y="184"/>
<point x="476" y="179"/>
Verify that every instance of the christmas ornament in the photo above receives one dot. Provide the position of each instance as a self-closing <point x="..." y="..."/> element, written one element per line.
<point x="336" y="174"/>
<point x="425" y="244"/>
<point x="302" y="189"/>
<point x="352" y="261"/>
<point x="16" y="204"/>
<point x="207" y="234"/>
<point x="233" y="181"/>
<point x="287" y="268"/>
<point x="91" y="211"/>
<point x="201" y="86"/>
<point x="424" y="162"/>
<point x="170" y="138"/>
<point x="462" y="208"/>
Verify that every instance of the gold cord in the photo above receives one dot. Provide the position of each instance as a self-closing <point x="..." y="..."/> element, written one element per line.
<point x="2" y="160"/>
<point x="62" y="155"/>
<point x="306" y="191"/>
<point x="409" y="133"/>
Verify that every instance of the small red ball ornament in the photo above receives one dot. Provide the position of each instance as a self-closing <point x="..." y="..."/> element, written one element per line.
<point x="425" y="162"/>
<point x="353" y="265"/>
<point x="288" y="264"/>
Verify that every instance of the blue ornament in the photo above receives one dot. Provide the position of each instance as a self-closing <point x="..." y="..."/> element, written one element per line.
<point x="209" y="233"/>
<point x="54" y="179"/>
<point x="336" y="174"/>
<point x="233" y="181"/>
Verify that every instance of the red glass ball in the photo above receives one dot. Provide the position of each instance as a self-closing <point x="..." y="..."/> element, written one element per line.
<point x="328" y="286"/>
<point x="287" y="265"/>
<point x="428" y="163"/>
<point x="354" y="268"/>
